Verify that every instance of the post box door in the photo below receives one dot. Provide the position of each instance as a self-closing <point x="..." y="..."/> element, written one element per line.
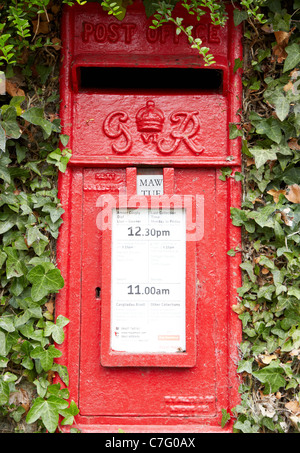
<point x="157" y="391"/>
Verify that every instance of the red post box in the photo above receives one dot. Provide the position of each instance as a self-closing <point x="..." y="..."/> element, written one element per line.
<point x="152" y="341"/>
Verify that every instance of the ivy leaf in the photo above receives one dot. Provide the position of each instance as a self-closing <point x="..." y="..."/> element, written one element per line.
<point x="270" y="128"/>
<point x="9" y="123"/>
<point x="44" y="281"/>
<point x="261" y="156"/>
<point x="64" y="139"/>
<point x="291" y="176"/>
<point x="56" y="330"/>
<point x="33" y="234"/>
<point x="60" y="158"/>
<point x="35" y="115"/>
<point x="245" y="365"/>
<point x="271" y="376"/>
<point x="4" y="172"/>
<point x="7" y="224"/>
<point x="3" y="346"/>
<point x="46" y="356"/>
<point x="7" y="323"/>
<point x="265" y="261"/>
<point x="246" y="427"/>
<point x="40" y="246"/>
<point x="294" y="292"/>
<point x="249" y="269"/>
<point x="264" y="217"/>
<point x="31" y="312"/>
<point x="48" y="410"/>
<point x="234" y="131"/>
<point x="3" y="257"/>
<point x="70" y="413"/>
<point x="238" y="216"/>
<point x="34" y="167"/>
<point x="62" y="372"/>
<point x="15" y="266"/>
<point x="150" y="9"/>
<point x="278" y="276"/>
<point x="282" y="106"/>
<point x="4" y="392"/>
<point x="293" y="57"/>
<point x="225" y="172"/>
<point x="239" y="16"/>
<point x="292" y="318"/>
<point x="266" y="291"/>
<point x="2" y="139"/>
<point x="225" y="417"/>
<point x="4" y="161"/>
<point x="54" y="211"/>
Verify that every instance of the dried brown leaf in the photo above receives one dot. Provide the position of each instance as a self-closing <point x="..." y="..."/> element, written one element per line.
<point x="50" y="376"/>
<point x="55" y="9"/>
<point x="267" y="358"/>
<point x="289" y="86"/>
<point x="258" y="200"/>
<point x="276" y="193"/>
<point x="282" y="39"/>
<point x="293" y="144"/>
<point x="56" y="43"/>
<point x="40" y="27"/>
<point x="294" y="194"/>
<point x="13" y="89"/>
<point x="50" y="306"/>
<point x="20" y="397"/>
<point x="265" y="271"/>
<point x="238" y="309"/>
<point x="295" y="74"/>
<point x="293" y="406"/>
<point x="280" y="53"/>
<point x="284" y="216"/>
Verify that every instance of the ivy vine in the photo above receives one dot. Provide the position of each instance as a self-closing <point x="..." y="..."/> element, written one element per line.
<point x="33" y="150"/>
<point x="268" y="301"/>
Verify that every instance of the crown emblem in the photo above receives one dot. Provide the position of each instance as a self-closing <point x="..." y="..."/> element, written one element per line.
<point x="149" y="118"/>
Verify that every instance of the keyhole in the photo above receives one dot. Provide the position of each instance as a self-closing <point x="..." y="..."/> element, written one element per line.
<point x="98" y="292"/>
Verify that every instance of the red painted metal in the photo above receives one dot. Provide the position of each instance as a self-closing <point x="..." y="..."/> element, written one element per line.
<point x="113" y="132"/>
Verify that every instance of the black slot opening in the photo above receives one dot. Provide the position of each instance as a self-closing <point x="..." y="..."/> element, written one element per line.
<point x="159" y="79"/>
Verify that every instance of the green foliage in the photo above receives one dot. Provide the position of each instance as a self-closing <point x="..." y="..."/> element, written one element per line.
<point x="268" y="302"/>
<point x="250" y="9"/>
<point x="115" y="8"/>
<point x="163" y="14"/>
<point x="49" y="408"/>
<point x="32" y="151"/>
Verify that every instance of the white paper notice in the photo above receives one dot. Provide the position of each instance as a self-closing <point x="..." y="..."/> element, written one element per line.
<point x="148" y="280"/>
<point x="150" y="184"/>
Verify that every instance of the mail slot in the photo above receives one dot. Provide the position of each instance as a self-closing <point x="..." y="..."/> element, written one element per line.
<point x="152" y="341"/>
